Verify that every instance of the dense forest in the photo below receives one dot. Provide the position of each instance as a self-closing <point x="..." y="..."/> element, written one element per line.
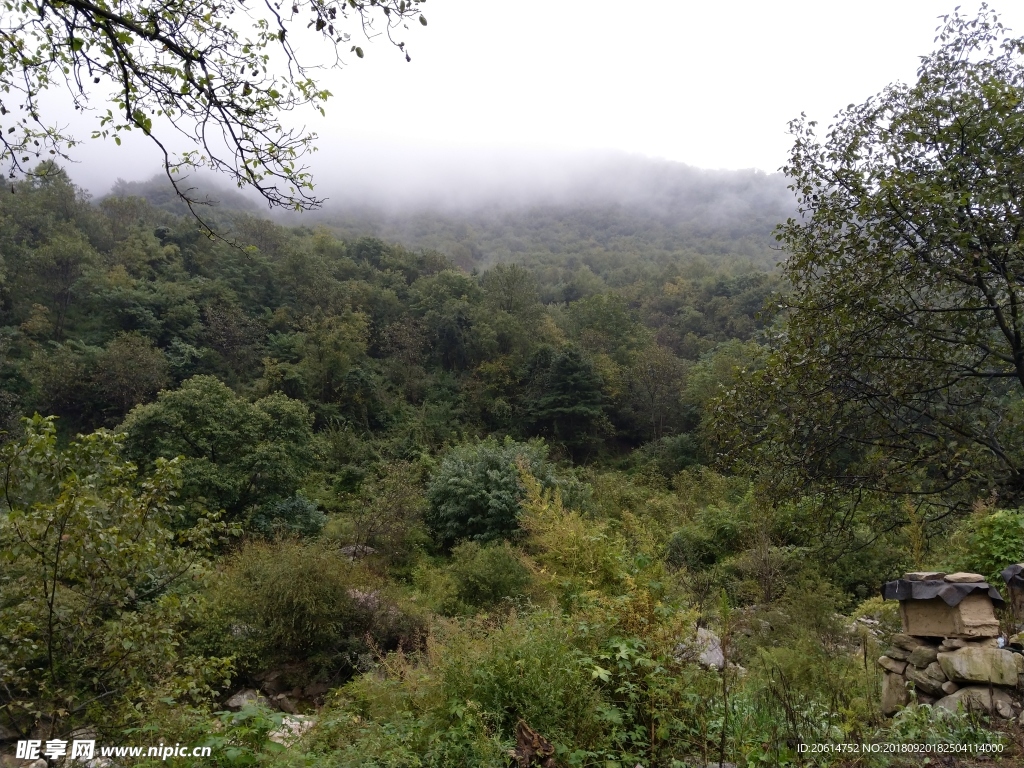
<point x="586" y="482"/>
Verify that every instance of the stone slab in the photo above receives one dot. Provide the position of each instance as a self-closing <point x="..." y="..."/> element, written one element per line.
<point x="972" y="617"/>
<point x="928" y="680"/>
<point x="906" y="642"/>
<point x="894" y="693"/>
<point x="961" y="577"/>
<point x="892" y="665"/>
<point x="897" y="653"/>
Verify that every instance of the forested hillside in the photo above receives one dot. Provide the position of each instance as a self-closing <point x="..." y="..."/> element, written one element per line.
<point x="578" y="482"/>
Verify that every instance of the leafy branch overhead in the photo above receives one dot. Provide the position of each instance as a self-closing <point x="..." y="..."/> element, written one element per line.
<point x="900" y="367"/>
<point x="219" y="74"/>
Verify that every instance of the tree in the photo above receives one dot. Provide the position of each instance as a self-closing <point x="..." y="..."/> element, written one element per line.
<point x="58" y="265"/>
<point x="475" y="494"/>
<point x="239" y="456"/>
<point x="90" y="560"/>
<point x="511" y="288"/>
<point x="898" y="368"/>
<point x="219" y="74"/>
<point x="656" y="380"/>
<point x="571" y="404"/>
<point x="129" y="371"/>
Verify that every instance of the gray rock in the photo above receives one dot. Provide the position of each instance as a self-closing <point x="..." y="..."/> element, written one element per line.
<point x="894" y="693"/>
<point x="356" y="551"/>
<point x="975" y="664"/>
<point x="892" y="665"/>
<point x="907" y="642"/>
<point x="293" y="727"/>
<point x="285" y="704"/>
<point x="249" y="696"/>
<point x="923" y="655"/>
<point x="964" y="578"/>
<point x="928" y="680"/>
<point x="923" y="575"/>
<point x="315" y="690"/>
<point x="952" y="644"/>
<point x="900" y="654"/>
<point x="706" y="650"/>
<point x="949" y="687"/>
<point x="979" y="697"/>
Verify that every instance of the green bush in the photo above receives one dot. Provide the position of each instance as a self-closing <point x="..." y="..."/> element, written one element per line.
<point x="714" y="533"/>
<point x="95" y="586"/>
<point x="486" y="574"/>
<point x="459" y="703"/>
<point x="290" y="600"/>
<point x="923" y="724"/>
<point x="294" y="515"/>
<point x="475" y="493"/>
<point x="237" y="455"/>
<point x="995" y="541"/>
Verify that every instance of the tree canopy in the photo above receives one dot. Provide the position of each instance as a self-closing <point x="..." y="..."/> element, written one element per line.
<point x="219" y="74"/>
<point x="898" y="366"/>
<point x="92" y="557"/>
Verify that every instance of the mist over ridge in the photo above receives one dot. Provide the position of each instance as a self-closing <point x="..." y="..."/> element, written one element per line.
<point x="484" y="206"/>
<point x="513" y="207"/>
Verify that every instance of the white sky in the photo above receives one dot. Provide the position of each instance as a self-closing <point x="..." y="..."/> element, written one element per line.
<point x="708" y="84"/>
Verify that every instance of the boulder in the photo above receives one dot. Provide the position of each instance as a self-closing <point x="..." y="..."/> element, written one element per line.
<point x="928" y="680"/>
<point x="951" y="644"/>
<point x="292" y="729"/>
<point x="964" y="578"/>
<point x="975" y="664"/>
<point x="248" y="697"/>
<point x="949" y="687"/>
<point x="892" y="665"/>
<point x="979" y="697"/>
<point x="923" y="656"/>
<point x="706" y="649"/>
<point x="894" y="693"/>
<point x="285" y="704"/>
<point x="923" y="575"/>
<point x="315" y="690"/>
<point x="357" y="551"/>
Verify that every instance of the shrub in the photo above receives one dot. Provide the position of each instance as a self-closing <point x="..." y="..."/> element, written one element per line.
<point x="302" y="601"/>
<point x="475" y="492"/>
<point x="486" y="574"/>
<point x="237" y="455"/>
<point x="94" y="583"/>
<point x="294" y="515"/>
<point x="995" y="541"/>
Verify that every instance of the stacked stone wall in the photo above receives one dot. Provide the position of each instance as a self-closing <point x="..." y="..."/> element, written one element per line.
<point x="952" y="656"/>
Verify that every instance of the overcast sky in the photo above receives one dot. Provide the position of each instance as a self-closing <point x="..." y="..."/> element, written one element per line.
<point x="712" y="85"/>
